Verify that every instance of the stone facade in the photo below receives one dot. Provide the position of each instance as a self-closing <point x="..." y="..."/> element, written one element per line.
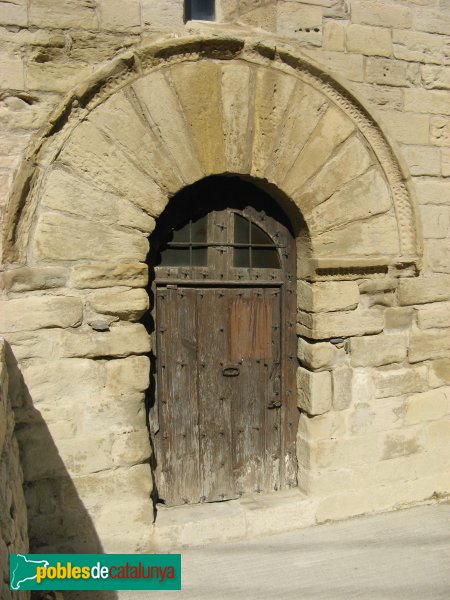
<point x="340" y="110"/>
<point x="13" y="511"/>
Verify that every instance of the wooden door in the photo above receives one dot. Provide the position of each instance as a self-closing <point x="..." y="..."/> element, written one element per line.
<point x="219" y="390"/>
<point x="224" y="416"/>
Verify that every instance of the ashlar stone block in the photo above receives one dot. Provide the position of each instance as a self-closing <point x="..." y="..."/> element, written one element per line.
<point x="198" y="88"/>
<point x="363" y="197"/>
<point x="340" y="324"/>
<point x="137" y="140"/>
<point x="72" y="380"/>
<point x="236" y="116"/>
<point x="63" y="237"/>
<point x="381" y="14"/>
<point x="438" y="253"/>
<point x="371" y="41"/>
<point x="440" y="131"/>
<point x="127" y="375"/>
<point x="439" y="434"/>
<point x="394" y="381"/>
<point x="445" y="160"/>
<point x="93" y="157"/>
<point x="430" y="191"/>
<point x="383" y="414"/>
<point x="377" y="350"/>
<point x="322" y="427"/>
<point x="405" y="442"/>
<point x="382" y="96"/>
<point x="345" y="452"/>
<point x="35" y="442"/>
<point x="128" y="305"/>
<point x="407" y="127"/>
<point x="360" y="238"/>
<point x="327" y="296"/>
<point x="427" y="406"/>
<point x="131" y="448"/>
<point x="334" y="36"/>
<point x="300" y="21"/>
<point x="29" y="314"/>
<point x="14" y="13"/>
<point x="417" y="46"/>
<point x="164" y="14"/>
<point x="332" y="130"/>
<point x="422" y="160"/>
<point x="123" y="339"/>
<point x="342" y="387"/>
<point x="435" y="221"/>
<point x="299" y="122"/>
<point x="164" y="113"/>
<point x="65" y="14"/>
<point x="319" y="356"/>
<point x="434" y="316"/>
<point x="25" y="279"/>
<point x="427" y="101"/>
<point x="314" y="391"/>
<point x="12" y="74"/>
<point x="386" y="71"/>
<point x="429" y="345"/>
<point x="70" y="194"/>
<point x="424" y="290"/>
<point x="109" y="274"/>
<point x="91" y="454"/>
<point x="351" y="160"/>
<point x="433" y="20"/>
<point x="435" y="77"/>
<point x="272" y="96"/>
<point x="439" y="373"/>
<point x="114" y="16"/>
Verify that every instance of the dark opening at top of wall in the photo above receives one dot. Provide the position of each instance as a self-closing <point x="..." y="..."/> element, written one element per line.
<point x="199" y="10"/>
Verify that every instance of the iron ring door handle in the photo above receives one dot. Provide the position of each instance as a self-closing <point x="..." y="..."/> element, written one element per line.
<point x="231" y="372"/>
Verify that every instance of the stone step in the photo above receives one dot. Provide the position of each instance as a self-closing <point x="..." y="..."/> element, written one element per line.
<point x="232" y="520"/>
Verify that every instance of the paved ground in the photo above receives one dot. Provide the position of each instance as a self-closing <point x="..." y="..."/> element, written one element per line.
<point x="401" y="555"/>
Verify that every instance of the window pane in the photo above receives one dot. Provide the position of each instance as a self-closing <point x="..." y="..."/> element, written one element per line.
<point x="265" y="258"/>
<point x="241" y="230"/>
<point x="199" y="257"/>
<point x="181" y="234"/>
<point x="202" y="10"/>
<point x="198" y="229"/>
<point x="241" y="257"/>
<point x="259" y="236"/>
<point x="175" y="257"/>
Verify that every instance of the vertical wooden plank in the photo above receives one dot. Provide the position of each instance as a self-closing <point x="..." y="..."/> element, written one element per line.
<point x="273" y="395"/>
<point x="215" y="396"/>
<point x="251" y="319"/>
<point x="290" y="412"/>
<point x="179" y="481"/>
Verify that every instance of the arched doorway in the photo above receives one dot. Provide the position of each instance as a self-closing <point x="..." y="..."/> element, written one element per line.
<point x="224" y="264"/>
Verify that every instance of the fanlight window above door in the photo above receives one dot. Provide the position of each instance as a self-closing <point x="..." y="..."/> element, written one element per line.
<point x="187" y="248"/>
<point x="250" y="245"/>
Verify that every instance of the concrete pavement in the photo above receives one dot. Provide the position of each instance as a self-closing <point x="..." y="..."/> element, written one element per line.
<point x="399" y="555"/>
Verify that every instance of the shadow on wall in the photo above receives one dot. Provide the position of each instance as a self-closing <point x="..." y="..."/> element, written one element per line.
<point x="57" y="519"/>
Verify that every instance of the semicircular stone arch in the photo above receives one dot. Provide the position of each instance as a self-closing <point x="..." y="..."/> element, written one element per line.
<point x="164" y="117"/>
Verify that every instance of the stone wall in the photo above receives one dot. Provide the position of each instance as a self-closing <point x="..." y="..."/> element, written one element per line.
<point x="375" y="424"/>
<point x="13" y="512"/>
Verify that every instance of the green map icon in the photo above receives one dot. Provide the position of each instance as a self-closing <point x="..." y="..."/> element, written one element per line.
<point x="23" y="569"/>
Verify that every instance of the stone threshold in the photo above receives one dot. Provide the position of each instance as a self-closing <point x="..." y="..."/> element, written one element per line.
<point x="246" y="518"/>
